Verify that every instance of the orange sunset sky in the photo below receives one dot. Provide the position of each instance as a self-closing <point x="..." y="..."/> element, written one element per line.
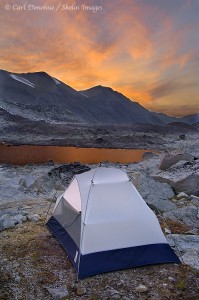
<point x="146" y="49"/>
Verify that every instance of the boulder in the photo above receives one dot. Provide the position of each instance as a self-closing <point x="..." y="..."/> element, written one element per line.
<point x="180" y="182"/>
<point x="194" y="200"/>
<point x="149" y="155"/>
<point x="28" y="181"/>
<point x="154" y="193"/>
<point x="81" y="290"/>
<point x="181" y="195"/>
<point x="58" y="293"/>
<point x="180" y="164"/>
<point x="169" y="159"/>
<point x="10" y="218"/>
<point x="99" y="140"/>
<point x="190" y="185"/>
<point x="182" y="136"/>
<point x="188" y="215"/>
<point x="187" y="247"/>
<point x="147" y="165"/>
<point x="191" y="258"/>
<point x="141" y="288"/>
<point x="6" y="221"/>
<point x="34" y="218"/>
<point x="71" y="168"/>
<point x="184" y="242"/>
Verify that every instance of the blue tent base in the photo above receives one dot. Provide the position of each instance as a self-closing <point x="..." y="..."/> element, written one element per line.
<point x="64" y="238"/>
<point x="111" y="260"/>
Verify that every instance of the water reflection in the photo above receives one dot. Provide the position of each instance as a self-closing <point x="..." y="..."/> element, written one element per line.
<point x="41" y="154"/>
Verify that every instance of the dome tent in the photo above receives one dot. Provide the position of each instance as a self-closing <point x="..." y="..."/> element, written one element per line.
<point x="104" y="224"/>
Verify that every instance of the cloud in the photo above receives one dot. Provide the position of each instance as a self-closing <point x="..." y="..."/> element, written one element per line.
<point x="170" y="87"/>
<point x="148" y="50"/>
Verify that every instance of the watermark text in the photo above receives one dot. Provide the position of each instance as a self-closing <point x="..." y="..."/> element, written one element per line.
<point x="54" y="8"/>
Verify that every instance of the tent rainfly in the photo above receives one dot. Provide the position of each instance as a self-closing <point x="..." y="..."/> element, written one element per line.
<point x="104" y="224"/>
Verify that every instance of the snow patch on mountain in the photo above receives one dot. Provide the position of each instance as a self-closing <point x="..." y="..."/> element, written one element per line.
<point x="84" y="95"/>
<point x="21" y="79"/>
<point x="56" y="81"/>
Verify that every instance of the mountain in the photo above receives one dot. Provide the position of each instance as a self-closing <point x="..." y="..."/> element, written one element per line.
<point x="167" y="119"/>
<point x="192" y="119"/>
<point x="113" y="107"/>
<point x="38" y="96"/>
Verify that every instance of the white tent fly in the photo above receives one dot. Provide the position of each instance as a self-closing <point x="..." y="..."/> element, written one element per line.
<point x="104" y="224"/>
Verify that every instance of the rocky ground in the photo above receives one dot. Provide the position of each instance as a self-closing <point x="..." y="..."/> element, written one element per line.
<point x="19" y="127"/>
<point x="34" y="265"/>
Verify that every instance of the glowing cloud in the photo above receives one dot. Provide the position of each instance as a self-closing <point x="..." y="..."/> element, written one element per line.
<point x="148" y="50"/>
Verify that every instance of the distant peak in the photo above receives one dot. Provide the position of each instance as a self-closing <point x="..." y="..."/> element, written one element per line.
<point x="40" y="73"/>
<point x="96" y="90"/>
<point x="2" y="70"/>
<point x="99" y="88"/>
<point x="102" y="87"/>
